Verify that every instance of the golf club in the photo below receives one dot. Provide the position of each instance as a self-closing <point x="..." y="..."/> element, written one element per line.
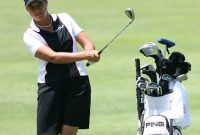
<point x="130" y="13"/>
<point x="150" y="72"/>
<point x="153" y="89"/>
<point x="182" y="77"/>
<point x="142" y="82"/>
<point x="150" y="49"/>
<point x="167" y="77"/>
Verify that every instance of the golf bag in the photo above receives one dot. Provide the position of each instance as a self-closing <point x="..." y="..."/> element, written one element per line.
<point x="161" y="97"/>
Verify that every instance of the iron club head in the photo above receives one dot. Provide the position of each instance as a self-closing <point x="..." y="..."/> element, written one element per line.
<point x="167" y="77"/>
<point x="148" y="67"/>
<point x="130" y="13"/>
<point x="182" y="77"/>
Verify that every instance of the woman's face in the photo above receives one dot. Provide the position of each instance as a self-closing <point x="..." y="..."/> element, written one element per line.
<point x="38" y="10"/>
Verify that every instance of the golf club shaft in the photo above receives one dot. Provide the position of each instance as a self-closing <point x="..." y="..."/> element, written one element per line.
<point x="114" y="38"/>
<point x="88" y="63"/>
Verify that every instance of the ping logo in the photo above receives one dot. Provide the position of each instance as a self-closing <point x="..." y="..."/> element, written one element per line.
<point x="155" y="124"/>
<point x="59" y="28"/>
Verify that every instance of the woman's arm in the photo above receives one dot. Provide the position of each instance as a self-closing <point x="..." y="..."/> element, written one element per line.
<point x="47" y="54"/>
<point x="85" y="42"/>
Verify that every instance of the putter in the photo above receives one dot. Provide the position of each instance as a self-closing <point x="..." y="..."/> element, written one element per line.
<point x="167" y="44"/>
<point x="130" y="13"/>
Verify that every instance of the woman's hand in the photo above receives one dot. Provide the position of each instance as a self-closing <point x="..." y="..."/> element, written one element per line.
<point x="92" y="56"/>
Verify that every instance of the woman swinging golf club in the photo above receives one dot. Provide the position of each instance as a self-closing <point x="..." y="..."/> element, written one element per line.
<point x="63" y="84"/>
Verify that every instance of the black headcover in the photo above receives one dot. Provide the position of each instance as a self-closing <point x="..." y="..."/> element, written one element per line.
<point x="177" y="60"/>
<point x="182" y="68"/>
<point x="174" y="66"/>
<point x="177" y="57"/>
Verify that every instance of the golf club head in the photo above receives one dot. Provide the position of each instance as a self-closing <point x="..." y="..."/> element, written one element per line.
<point x="167" y="77"/>
<point x="141" y="85"/>
<point x="148" y="67"/>
<point x="153" y="89"/>
<point x="150" y="49"/>
<point x="182" y="77"/>
<point x="130" y="13"/>
<point x="150" y="72"/>
<point x="152" y="85"/>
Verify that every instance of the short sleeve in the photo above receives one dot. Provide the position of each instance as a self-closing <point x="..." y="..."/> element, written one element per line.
<point x="76" y="28"/>
<point x="70" y="23"/>
<point x="33" y="42"/>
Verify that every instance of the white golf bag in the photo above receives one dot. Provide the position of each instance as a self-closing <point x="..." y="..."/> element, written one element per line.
<point x="162" y="103"/>
<point x="165" y="114"/>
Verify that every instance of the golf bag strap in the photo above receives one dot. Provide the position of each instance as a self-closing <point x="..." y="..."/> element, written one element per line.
<point x="176" y="128"/>
<point x="141" y="128"/>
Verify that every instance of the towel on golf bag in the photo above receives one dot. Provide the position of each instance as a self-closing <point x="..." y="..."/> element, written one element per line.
<point x="180" y="107"/>
<point x="173" y="106"/>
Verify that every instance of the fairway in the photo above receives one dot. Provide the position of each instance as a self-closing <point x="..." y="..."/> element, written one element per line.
<point x="113" y="109"/>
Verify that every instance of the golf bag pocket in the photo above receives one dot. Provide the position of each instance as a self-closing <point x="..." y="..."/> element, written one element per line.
<point x="157" y="105"/>
<point x="156" y="125"/>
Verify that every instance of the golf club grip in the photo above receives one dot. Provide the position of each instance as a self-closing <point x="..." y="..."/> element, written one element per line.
<point x="88" y="64"/>
<point x="137" y="67"/>
<point x="171" y="127"/>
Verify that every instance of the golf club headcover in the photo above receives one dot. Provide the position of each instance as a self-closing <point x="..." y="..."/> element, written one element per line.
<point x="182" y="68"/>
<point x="177" y="57"/>
<point x="179" y="66"/>
<point x="166" y="42"/>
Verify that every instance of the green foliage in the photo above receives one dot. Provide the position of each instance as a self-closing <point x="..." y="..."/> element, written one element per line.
<point x="113" y="78"/>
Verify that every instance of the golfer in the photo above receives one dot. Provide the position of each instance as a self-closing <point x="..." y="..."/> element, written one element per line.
<point x="63" y="84"/>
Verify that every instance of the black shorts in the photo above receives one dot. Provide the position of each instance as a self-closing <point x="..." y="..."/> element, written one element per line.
<point x="65" y="102"/>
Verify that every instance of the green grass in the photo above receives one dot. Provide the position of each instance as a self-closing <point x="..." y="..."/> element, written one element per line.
<point x="113" y="78"/>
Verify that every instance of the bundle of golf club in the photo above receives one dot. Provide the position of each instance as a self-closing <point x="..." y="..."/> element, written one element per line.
<point x="167" y="70"/>
<point x="158" y="82"/>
